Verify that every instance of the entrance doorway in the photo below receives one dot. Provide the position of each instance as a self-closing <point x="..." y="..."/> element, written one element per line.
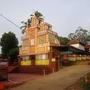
<point x="32" y="57"/>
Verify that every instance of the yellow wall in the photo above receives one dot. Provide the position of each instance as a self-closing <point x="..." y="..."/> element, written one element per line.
<point x="41" y="42"/>
<point x="32" y="50"/>
<point x="41" y="62"/>
<point x="25" y="62"/>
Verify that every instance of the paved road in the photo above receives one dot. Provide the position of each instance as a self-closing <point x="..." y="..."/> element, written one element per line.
<point x="57" y="81"/>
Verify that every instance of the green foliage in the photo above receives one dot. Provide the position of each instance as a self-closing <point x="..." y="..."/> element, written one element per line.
<point x="27" y="23"/>
<point x="63" y="40"/>
<point x="85" y="86"/>
<point x="13" y="53"/>
<point x="23" y="27"/>
<point x="38" y="14"/>
<point x="8" y="43"/>
<point x="88" y="37"/>
<point x="85" y="82"/>
<point x="80" y="34"/>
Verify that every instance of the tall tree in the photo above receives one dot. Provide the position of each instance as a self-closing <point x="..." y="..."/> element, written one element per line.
<point x="80" y="34"/>
<point x="88" y="37"/>
<point x="25" y="25"/>
<point x="9" y="42"/>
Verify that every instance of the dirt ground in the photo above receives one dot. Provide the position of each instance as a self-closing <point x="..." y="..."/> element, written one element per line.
<point x="20" y="77"/>
<point x="56" y="81"/>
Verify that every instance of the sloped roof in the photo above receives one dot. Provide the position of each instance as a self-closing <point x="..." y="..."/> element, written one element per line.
<point x="69" y="49"/>
<point x="75" y="42"/>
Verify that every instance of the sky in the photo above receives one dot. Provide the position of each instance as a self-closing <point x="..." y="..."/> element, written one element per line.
<point x="64" y="15"/>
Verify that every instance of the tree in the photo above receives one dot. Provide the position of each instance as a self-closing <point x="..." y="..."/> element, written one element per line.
<point x="27" y="23"/>
<point x="13" y="54"/>
<point x="80" y="35"/>
<point x="9" y="42"/>
<point x="63" y="40"/>
<point x="88" y="37"/>
<point x="38" y="14"/>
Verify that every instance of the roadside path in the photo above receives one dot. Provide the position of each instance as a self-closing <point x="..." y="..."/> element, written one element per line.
<point x="56" y="81"/>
